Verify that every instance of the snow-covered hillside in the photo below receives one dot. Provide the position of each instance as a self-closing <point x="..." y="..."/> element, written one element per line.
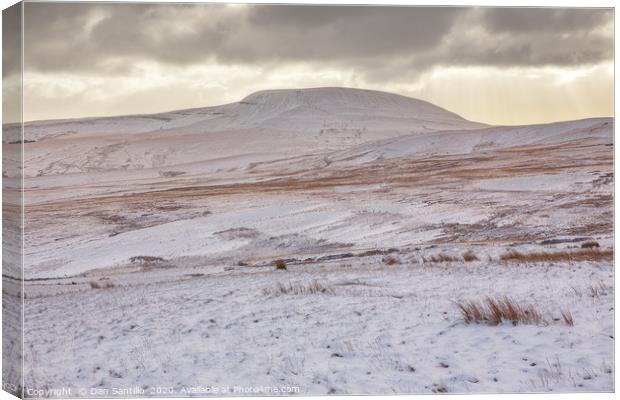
<point x="594" y="131"/>
<point x="398" y="208"/>
<point x="264" y="126"/>
<point x="301" y="110"/>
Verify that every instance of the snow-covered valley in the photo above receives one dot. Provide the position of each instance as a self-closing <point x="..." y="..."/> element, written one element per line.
<point x="151" y="245"/>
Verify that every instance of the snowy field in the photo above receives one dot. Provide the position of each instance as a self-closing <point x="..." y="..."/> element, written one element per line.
<point x="152" y="241"/>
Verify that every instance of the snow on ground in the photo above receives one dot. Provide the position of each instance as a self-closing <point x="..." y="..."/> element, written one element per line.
<point x="151" y="243"/>
<point x="298" y="121"/>
<point x="383" y="329"/>
<point x="594" y="130"/>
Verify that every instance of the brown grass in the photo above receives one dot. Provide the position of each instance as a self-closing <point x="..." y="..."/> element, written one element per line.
<point x="147" y="262"/>
<point x="591" y="254"/>
<point x="314" y="287"/>
<point x="517" y="161"/>
<point x="390" y="260"/>
<point x="598" y="289"/>
<point x="102" y="285"/>
<point x="567" y="317"/>
<point x="469" y="256"/>
<point x="280" y="264"/>
<point x="590" y="244"/>
<point x="369" y="253"/>
<point x="146" y="259"/>
<point x="442" y="258"/>
<point x="495" y="311"/>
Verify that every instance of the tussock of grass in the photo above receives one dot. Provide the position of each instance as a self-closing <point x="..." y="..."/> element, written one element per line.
<point x="314" y="287"/>
<point x="375" y="252"/>
<point x="442" y="258"/>
<point x="280" y="264"/>
<point x="591" y="254"/>
<point x="469" y="256"/>
<point x="495" y="311"/>
<point x="101" y="285"/>
<point x="598" y="289"/>
<point x="590" y="244"/>
<point x="390" y="260"/>
<point x="147" y="262"/>
<point x="567" y="317"/>
<point x="146" y="259"/>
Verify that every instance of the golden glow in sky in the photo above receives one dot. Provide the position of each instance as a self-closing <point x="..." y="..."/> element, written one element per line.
<point x="509" y="96"/>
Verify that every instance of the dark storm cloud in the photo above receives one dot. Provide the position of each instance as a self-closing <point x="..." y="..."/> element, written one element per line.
<point x="103" y="38"/>
<point x="553" y="20"/>
<point x="11" y="40"/>
<point x="343" y="32"/>
<point x="57" y="37"/>
<point x="545" y="36"/>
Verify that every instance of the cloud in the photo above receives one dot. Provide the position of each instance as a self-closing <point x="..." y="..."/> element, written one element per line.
<point x="545" y="20"/>
<point x="11" y="40"/>
<point x="111" y="38"/>
<point x="64" y="36"/>
<point x="535" y="37"/>
<point x="116" y="58"/>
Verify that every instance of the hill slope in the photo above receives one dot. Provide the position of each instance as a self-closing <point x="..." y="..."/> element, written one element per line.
<point x="303" y="110"/>
<point x="264" y="126"/>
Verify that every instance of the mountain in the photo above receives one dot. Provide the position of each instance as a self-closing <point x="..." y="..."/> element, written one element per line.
<point x="264" y="126"/>
<point x="335" y="109"/>
<point x="297" y="172"/>
<point x="332" y="125"/>
<point x="302" y="110"/>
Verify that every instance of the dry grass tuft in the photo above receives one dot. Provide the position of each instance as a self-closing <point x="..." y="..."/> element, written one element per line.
<point x="280" y="264"/>
<point x="103" y="285"/>
<point x="567" y="317"/>
<point x="314" y="287"/>
<point x="442" y="258"/>
<point x="390" y="260"/>
<point x="495" y="311"/>
<point x="469" y="256"/>
<point x="146" y="259"/>
<point x="598" y="289"/>
<point x="577" y="255"/>
<point x="590" y="244"/>
<point x="149" y="262"/>
<point x="375" y="252"/>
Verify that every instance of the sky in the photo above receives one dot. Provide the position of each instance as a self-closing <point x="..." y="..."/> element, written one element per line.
<point x="492" y="65"/>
